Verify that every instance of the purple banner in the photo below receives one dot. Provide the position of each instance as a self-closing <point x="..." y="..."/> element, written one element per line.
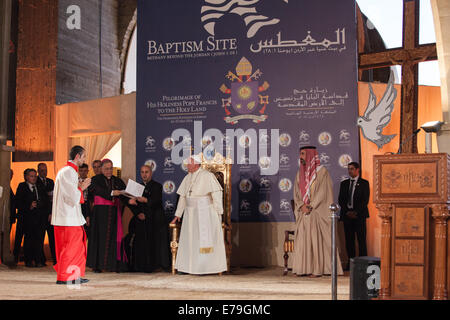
<point x="252" y="80"/>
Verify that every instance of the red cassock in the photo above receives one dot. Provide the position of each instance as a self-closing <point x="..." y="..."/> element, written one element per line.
<point x="68" y="221"/>
<point x="70" y="247"/>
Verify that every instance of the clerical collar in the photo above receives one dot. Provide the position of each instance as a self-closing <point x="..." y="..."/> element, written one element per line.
<point x="73" y="165"/>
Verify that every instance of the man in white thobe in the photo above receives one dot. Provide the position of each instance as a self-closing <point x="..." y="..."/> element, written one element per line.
<point x="201" y="248"/>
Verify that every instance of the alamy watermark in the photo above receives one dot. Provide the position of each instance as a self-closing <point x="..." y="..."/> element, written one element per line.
<point x="251" y="147"/>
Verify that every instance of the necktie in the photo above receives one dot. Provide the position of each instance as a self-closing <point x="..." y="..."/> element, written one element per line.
<point x="350" y="194"/>
<point x="35" y="194"/>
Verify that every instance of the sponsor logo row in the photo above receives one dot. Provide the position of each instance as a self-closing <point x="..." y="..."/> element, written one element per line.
<point x="324" y="138"/>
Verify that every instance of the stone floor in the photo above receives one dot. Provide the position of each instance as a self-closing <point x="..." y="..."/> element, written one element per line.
<point x="23" y="283"/>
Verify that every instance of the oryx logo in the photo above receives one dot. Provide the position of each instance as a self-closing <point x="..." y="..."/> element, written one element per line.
<point x="169" y="206"/>
<point x="303" y="137"/>
<point x="213" y="10"/>
<point x="168" y="162"/>
<point x="245" y="205"/>
<point x="245" y="160"/>
<point x="285" y="205"/>
<point x="344" y="135"/>
<point x="150" y="144"/>
<point x="284" y="159"/>
<point x="324" y="158"/>
<point x="150" y="141"/>
<point x="264" y="183"/>
<point x="263" y="138"/>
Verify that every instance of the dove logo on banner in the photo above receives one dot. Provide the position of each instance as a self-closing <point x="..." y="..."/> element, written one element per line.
<point x="378" y="116"/>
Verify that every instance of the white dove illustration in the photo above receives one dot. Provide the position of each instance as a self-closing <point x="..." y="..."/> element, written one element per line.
<point x="376" y="117"/>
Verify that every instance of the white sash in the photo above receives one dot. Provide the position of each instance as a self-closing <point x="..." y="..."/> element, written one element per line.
<point x="201" y="206"/>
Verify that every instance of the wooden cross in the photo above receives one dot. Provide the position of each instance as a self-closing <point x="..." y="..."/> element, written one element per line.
<point x="408" y="57"/>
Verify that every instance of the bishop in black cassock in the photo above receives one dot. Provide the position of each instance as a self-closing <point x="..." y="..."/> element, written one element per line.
<point x="148" y="237"/>
<point x="105" y="250"/>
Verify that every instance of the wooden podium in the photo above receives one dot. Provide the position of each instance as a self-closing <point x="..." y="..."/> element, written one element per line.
<point x="412" y="194"/>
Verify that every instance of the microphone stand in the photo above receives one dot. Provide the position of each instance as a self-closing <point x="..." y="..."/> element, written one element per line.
<point x="399" y="151"/>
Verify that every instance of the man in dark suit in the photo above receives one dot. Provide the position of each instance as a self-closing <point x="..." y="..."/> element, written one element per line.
<point x="353" y="198"/>
<point x="19" y="226"/>
<point x="48" y="185"/>
<point x="32" y="203"/>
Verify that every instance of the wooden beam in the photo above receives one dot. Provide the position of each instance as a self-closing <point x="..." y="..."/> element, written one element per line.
<point x="410" y="79"/>
<point x="397" y="57"/>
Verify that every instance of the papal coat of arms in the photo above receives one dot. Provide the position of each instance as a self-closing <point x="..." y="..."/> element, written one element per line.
<point x="245" y="97"/>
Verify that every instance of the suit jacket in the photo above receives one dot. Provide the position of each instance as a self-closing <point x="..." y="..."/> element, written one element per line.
<point x="49" y="184"/>
<point x="360" y="198"/>
<point x="48" y="187"/>
<point x="24" y="198"/>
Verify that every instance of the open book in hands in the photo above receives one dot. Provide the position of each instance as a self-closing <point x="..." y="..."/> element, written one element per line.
<point x="133" y="189"/>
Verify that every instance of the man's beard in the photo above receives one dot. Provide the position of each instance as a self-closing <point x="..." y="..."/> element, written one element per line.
<point x="303" y="162"/>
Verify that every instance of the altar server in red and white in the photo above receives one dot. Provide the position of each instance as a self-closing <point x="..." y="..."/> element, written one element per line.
<point x="68" y="221"/>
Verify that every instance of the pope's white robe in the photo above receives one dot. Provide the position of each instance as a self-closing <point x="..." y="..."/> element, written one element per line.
<point x="201" y="247"/>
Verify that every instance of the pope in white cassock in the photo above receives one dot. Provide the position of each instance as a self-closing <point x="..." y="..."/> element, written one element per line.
<point x="201" y="248"/>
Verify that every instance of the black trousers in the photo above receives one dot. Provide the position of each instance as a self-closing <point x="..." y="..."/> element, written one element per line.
<point x="356" y="227"/>
<point x="19" y="236"/>
<point x="33" y="243"/>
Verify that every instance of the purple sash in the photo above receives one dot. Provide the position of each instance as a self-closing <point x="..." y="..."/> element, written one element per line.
<point x="99" y="201"/>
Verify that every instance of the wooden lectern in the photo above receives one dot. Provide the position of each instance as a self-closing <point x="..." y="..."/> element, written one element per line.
<point x="412" y="194"/>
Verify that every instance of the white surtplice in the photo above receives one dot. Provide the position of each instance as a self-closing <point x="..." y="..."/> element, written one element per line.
<point x="201" y="248"/>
